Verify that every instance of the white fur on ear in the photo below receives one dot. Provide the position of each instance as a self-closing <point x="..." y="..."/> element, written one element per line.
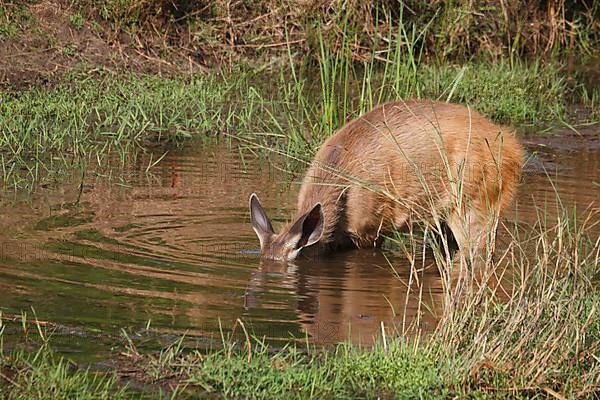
<point x="260" y="222"/>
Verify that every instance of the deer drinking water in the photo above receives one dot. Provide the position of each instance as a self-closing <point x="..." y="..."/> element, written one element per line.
<point x="401" y="161"/>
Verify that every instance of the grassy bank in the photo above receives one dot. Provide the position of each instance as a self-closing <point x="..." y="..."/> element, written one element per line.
<point x="537" y="335"/>
<point x="85" y="118"/>
<point x="223" y="32"/>
<point x="328" y="68"/>
<point x="44" y="375"/>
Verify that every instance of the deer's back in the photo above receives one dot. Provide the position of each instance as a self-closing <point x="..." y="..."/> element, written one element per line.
<point x="403" y="158"/>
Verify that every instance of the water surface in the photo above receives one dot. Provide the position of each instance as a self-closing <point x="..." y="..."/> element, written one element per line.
<point x="169" y="252"/>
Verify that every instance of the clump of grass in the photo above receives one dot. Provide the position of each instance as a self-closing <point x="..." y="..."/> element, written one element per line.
<point x="77" y="21"/>
<point x="44" y="375"/>
<point x="538" y="334"/>
<point x="256" y="370"/>
<point x="461" y="29"/>
<point x="83" y="118"/>
<point x="128" y="108"/>
<point x="590" y="99"/>
<point x="14" y="18"/>
<point x="291" y="372"/>
<point x="519" y="94"/>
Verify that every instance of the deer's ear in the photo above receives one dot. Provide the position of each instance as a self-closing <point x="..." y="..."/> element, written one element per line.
<point x="260" y="222"/>
<point x="308" y="229"/>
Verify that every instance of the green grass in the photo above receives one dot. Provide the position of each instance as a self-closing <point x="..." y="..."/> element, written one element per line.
<point x="291" y="372"/>
<point x="14" y="18"/>
<point x="521" y="94"/>
<point x="346" y="372"/>
<point x="80" y="119"/>
<point x="44" y="130"/>
<point x="128" y="108"/>
<point x="45" y="375"/>
<point x="590" y="99"/>
<point x="76" y="20"/>
<point x="282" y="108"/>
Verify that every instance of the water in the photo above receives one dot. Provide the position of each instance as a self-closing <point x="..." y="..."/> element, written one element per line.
<point x="172" y="252"/>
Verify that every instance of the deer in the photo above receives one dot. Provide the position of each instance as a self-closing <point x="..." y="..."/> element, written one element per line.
<point x="398" y="163"/>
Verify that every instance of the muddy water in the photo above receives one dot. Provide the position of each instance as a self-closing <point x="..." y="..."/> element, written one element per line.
<point x="172" y="252"/>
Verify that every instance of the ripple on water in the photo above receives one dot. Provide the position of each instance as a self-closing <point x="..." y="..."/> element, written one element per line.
<point x="175" y="247"/>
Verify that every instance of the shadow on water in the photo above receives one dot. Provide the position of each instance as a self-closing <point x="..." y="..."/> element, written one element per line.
<point x="175" y="247"/>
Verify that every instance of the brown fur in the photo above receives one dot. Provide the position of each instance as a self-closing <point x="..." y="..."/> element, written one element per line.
<point x="400" y="162"/>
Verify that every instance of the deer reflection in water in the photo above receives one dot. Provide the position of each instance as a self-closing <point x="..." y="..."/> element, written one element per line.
<point x="348" y="295"/>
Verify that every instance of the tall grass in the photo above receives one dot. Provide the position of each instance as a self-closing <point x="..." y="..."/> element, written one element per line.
<point x="517" y="93"/>
<point x="48" y="130"/>
<point x="42" y="374"/>
<point x="461" y="29"/>
<point x="291" y="107"/>
<point x="529" y="323"/>
<point x="82" y="118"/>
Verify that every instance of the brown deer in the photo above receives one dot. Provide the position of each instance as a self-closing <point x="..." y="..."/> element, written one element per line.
<point x="400" y="162"/>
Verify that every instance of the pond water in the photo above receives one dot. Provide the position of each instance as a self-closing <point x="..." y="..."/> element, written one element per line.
<point x="171" y="251"/>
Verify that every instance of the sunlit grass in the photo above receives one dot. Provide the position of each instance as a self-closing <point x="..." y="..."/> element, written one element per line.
<point x="48" y="130"/>
<point x="290" y="108"/>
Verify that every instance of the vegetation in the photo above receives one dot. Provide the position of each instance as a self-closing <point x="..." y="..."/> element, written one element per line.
<point x="177" y="37"/>
<point x="88" y="118"/>
<point x="400" y="52"/>
<point x="44" y="375"/>
<point x="535" y="335"/>
<point x="455" y="29"/>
